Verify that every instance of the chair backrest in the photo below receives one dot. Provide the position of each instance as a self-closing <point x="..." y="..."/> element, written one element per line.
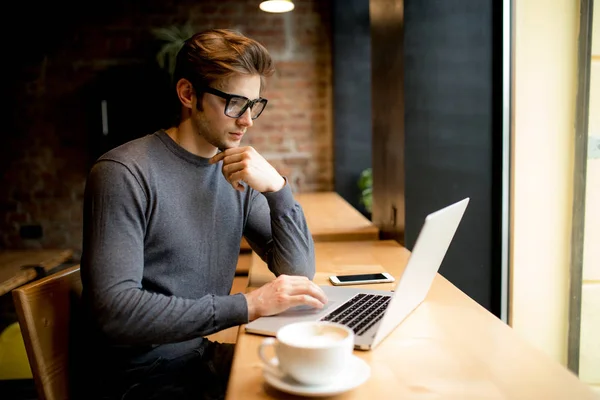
<point x="44" y="312"/>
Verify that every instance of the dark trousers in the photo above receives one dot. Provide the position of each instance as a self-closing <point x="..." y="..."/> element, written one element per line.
<point x="201" y="374"/>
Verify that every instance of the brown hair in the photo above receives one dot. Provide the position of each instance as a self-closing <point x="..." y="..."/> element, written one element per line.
<point x="211" y="56"/>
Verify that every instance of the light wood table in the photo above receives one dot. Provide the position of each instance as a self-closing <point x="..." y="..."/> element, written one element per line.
<point x="330" y="218"/>
<point x="18" y="267"/>
<point x="448" y="348"/>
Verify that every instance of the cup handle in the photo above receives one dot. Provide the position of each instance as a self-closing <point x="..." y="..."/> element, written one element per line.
<point x="271" y="364"/>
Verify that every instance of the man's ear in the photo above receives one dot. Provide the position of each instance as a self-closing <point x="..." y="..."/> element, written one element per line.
<point x="186" y="93"/>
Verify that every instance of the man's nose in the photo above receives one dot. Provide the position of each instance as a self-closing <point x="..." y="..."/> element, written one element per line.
<point x="246" y="118"/>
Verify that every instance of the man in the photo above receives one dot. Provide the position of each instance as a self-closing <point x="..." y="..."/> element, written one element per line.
<point x="163" y="219"/>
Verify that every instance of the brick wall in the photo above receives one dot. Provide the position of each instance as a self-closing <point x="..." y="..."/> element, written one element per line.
<point x="49" y="147"/>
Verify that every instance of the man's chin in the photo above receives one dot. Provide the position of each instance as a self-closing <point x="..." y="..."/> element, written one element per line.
<point x="230" y="144"/>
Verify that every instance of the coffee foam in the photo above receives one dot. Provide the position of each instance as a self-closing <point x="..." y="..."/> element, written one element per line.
<point x="316" y="336"/>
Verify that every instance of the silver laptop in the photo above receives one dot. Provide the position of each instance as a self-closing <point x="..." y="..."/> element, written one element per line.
<point x="373" y="314"/>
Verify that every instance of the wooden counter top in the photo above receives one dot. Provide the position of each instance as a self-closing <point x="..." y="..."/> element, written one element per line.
<point x="448" y="348"/>
<point x="17" y="267"/>
<point x="331" y="218"/>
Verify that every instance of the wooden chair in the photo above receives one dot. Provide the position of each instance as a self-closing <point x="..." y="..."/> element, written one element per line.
<point x="44" y="309"/>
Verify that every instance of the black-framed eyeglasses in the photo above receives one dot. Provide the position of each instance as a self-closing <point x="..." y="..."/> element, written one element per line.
<point x="236" y="105"/>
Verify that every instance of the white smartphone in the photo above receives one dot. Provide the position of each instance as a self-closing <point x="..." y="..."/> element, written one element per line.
<point x="358" y="279"/>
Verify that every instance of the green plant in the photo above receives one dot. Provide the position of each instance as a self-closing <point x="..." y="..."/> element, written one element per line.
<point x="365" y="184"/>
<point x="173" y="37"/>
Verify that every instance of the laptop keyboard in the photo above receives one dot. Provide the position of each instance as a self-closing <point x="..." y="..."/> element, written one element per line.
<point x="360" y="312"/>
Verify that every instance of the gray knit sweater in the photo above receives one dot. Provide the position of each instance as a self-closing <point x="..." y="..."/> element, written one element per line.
<point x="162" y="231"/>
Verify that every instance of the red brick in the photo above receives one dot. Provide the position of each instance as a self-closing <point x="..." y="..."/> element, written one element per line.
<point x="45" y="180"/>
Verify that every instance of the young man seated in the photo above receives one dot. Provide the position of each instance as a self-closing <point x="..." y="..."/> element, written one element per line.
<point x="163" y="219"/>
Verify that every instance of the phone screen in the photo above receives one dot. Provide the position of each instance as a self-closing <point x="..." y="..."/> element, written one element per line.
<point x="361" y="277"/>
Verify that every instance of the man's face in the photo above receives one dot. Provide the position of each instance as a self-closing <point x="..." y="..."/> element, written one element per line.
<point x="213" y="125"/>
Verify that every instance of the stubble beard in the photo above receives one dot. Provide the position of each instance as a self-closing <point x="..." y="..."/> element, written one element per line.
<point x="205" y="131"/>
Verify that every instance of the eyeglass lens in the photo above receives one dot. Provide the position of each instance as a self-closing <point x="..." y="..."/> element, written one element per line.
<point x="237" y="106"/>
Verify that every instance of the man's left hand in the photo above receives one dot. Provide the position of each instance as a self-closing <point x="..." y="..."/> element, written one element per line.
<point x="247" y="165"/>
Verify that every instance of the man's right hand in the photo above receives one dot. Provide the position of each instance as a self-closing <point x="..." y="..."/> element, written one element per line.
<point x="282" y="293"/>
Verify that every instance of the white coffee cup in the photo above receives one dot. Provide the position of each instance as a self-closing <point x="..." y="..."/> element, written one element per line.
<point x="312" y="352"/>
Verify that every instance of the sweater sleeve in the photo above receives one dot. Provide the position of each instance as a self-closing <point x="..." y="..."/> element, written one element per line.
<point x="277" y="231"/>
<point x="112" y="267"/>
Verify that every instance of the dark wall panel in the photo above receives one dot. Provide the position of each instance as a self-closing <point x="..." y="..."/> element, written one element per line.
<point x="452" y="61"/>
<point x="387" y="58"/>
<point x="351" y="95"/>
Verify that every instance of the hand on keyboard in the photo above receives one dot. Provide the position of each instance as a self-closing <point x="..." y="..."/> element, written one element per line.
<point x="283" y="293"/>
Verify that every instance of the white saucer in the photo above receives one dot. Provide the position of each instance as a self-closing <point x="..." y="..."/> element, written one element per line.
<point x="355" y="375"/>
